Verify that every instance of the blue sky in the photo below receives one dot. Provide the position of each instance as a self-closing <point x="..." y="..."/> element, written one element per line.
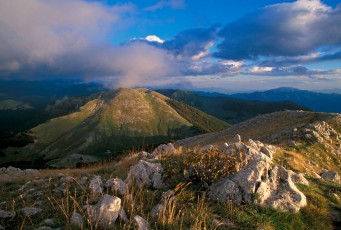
<point x="221" y="45"/>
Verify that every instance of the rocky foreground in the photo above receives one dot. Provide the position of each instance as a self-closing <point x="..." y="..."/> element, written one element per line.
<point x="106" y="201"/>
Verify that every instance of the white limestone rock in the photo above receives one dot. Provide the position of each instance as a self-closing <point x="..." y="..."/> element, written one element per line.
<point x="146" y="174"/>
<point x="225" y="190"/>
<point x="105" y="212"/>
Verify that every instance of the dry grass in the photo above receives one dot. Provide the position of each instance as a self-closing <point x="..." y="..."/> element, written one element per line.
<point x="186" y="208"/>
<point x="119" y="166"/>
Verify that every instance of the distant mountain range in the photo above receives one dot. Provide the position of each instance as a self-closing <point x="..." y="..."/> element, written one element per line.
<point x="320" y="102"/>
<point x="224" y="107"/>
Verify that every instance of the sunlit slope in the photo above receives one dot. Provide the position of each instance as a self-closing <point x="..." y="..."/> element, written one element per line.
<point x="119" y="120"/>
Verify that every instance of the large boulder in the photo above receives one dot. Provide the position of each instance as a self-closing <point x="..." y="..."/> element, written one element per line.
<point x="280" y="192"/>
<point x="249" y="177"/>
<point x="258" y="182"/>
<point x="105" y="212"/>
<point x="146" y="174"/>
<point x="225" y="190"/>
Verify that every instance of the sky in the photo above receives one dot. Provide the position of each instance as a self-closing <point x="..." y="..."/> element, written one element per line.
<point x="220" y="45"/>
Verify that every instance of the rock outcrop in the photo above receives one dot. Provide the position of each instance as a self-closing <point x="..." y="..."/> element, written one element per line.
<point x="226" y="190"/>
<point x="258" y="181"/>
<point x="280" y="192"/>
<point x="146" y="174"/>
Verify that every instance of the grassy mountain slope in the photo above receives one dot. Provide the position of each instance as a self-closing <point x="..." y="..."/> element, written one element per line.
<point x="22" y="103"/>
<point x="9" y="104"/>
<point x="231" y="110"/>
<point x="114" y="121"/>
<point x="306" y="155"/>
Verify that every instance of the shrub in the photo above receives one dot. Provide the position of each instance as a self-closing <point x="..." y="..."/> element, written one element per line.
<point x="210" y="165"/>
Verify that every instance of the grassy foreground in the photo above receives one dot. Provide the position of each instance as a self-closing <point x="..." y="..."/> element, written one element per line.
<point x="189" y="209"/>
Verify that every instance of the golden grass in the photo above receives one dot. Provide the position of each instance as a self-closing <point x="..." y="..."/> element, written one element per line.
<point x="110" y="167"/>
<point x="188" y="208"/>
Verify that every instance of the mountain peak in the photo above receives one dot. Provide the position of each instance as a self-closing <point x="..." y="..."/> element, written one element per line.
<point x="117" y="120"/>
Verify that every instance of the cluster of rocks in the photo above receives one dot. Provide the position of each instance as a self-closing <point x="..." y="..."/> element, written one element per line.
<point x="146" y="173"/>
<point x="10" y="172"/>
<point x="109" y="208"/>
<point x="319" y="131"/>
<point x="259" y="181"/>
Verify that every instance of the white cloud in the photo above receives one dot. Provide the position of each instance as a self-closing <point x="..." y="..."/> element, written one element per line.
<point x="259" y="69"/>
<point x="154" y="38"/>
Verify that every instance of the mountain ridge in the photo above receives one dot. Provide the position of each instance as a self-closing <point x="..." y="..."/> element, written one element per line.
<point x="111" y="122"/>
<point x="229" y="109"/>
<point x="320" y="102"/>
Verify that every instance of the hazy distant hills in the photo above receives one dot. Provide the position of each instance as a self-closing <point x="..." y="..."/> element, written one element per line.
<point x="40" y="93"/>
<point x="231" y="110"/>
<point x="320" y="102"/>
<point x="22" y="103"/>
<point x="110" y="122"/>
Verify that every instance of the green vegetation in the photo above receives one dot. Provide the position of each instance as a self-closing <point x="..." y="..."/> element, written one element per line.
<point x="204" y="122"/>
<point x="110" y="123"/>
<point x="228" y="109"/>
<point x="10" y="104"/>
<point x="210" y="165"/>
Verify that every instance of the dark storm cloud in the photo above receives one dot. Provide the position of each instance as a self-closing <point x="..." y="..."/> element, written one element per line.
<point x="285" y="29"/>
<point x="194" y="43"/>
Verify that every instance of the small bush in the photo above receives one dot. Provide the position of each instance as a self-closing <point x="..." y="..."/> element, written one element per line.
<point x="210" y="165"/>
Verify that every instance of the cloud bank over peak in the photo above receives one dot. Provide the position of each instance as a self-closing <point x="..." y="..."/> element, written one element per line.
<point x="71" y="39"/>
